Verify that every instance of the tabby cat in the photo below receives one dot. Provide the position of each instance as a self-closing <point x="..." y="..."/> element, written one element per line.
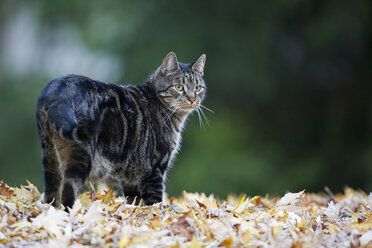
<point x="119" y="135"/>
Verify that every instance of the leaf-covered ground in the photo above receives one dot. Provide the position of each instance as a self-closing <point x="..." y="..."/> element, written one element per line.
<point x="194" y="220"/>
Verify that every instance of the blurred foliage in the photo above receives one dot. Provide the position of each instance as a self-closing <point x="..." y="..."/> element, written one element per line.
<point x="289" y="83"/>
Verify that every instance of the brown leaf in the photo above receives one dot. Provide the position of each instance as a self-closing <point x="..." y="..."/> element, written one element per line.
<point x="5" y="190"/>
<point x="202" y="205"/>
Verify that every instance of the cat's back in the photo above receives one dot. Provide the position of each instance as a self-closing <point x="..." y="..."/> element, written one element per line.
<point x="69" y="88"/>
<point x="69" y="105"/>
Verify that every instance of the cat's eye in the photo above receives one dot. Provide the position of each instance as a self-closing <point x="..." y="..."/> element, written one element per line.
<point x="178" y="87"/>
<point x="198" y="88"/>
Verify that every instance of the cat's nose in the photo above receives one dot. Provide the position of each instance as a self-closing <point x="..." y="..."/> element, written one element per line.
<point x="191" y="100"/>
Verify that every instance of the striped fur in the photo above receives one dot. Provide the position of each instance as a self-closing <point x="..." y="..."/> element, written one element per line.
<point x="120" y="135"/>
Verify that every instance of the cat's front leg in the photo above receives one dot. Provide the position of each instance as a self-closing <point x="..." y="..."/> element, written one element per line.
<point x="153" y="188"/>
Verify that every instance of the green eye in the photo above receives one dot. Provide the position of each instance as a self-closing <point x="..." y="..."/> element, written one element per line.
<point x="198" y="88"/>
<point x="178" y="87"/>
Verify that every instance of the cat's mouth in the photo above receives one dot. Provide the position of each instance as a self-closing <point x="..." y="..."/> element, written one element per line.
<point x="190" y="107"/>
<point x="184" y="107"/>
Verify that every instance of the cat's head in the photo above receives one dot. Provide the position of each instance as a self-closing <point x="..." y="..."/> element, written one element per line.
<point x="180" y="86"/>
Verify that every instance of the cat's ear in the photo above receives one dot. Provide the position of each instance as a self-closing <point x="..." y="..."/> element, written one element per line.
<point x="198" y="66"/>
<point x="170" y="64"/>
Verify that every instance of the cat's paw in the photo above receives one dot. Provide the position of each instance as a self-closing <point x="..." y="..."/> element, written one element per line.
<point x="148" y="201"/>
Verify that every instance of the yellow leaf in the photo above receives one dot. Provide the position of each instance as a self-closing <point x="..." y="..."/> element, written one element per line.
<point x="30" y="184"/>
<point x="174" y="246"/>
<point x="113" y="207"/>
<point x="155" y="224"/>
<point x="248" y="231"/>
<point x="227" y="242"/>
<point x="361" y="227"/>
<point x="194" y="243"/>
<point x="240" y="203"/>
<point x="333" y="228"/>
<point x="138" y="208"/>
<point x="302" y="224"/>
<point x="209" y="202"/>
<point x="314" y="211"/>
<point x="255" y="200"/>
<point x="142" y="239"/>
<point x="246" y="237"/>
<point x="284" y="216"/>
<point x="247" y="206"/>
<point x="124" y="241"/>
<point x="85" y="200"/>
<point x="276" y="229"/>
<point x="297" y="244"/>
<point x="26" y="194"/>
<point x="107" y="197"/>
<point x="179" y="208"/>
<point x="8" y="200"/>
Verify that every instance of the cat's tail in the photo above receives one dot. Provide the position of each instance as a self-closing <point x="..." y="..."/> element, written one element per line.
<point x="65" y="123"/>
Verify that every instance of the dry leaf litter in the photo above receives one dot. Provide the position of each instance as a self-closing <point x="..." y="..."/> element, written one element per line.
<point x="193" y="220"/>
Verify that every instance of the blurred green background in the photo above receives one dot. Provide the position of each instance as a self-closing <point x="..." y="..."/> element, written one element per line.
<point x="289" y="82"/>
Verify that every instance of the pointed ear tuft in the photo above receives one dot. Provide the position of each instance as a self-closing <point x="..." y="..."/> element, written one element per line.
<point x="170" y="64"/>
<point x="198" y="66"/>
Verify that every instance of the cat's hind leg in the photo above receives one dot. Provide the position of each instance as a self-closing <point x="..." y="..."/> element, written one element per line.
<point x="76" y="165"/>
<point x="52" y="172"/>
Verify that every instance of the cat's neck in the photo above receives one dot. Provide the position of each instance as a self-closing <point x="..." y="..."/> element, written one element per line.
<point x="178" y="117"/>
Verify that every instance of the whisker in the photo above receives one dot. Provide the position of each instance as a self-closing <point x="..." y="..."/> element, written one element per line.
<point x="172" y="111"/>
<point x="201" y="124"/>
<point x="175" y="109"/>
<point x="205" y="117"/>
<point x="201" y="105"/>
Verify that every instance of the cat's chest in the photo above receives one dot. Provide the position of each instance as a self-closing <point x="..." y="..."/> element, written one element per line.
<point x="176" y="145"/>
